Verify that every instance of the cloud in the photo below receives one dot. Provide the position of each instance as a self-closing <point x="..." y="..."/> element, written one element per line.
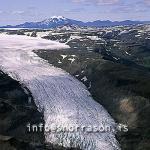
<point x="1" y="12"/>
<point x="74" y="10"/>
<point x="17" y="12"/>
<point x="98" y="2"/>
<point x="147" y="2"/>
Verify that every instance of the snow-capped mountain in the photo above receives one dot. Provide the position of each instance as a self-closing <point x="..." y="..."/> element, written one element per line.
<point x="52" y="22"/>
<point x="57" y="21"/>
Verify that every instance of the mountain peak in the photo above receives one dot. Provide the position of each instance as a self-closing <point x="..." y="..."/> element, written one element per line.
<point x="58" y="17"/>
<point x="54" y="19"/>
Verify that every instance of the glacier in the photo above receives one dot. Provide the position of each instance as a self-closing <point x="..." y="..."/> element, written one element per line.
<point x="63" y="99"/>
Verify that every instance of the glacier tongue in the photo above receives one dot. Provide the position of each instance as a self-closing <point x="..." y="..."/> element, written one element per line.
<point x="63" y="99"/>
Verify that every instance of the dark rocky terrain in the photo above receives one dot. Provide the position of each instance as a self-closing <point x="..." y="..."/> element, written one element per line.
<point x="15" y="112"/>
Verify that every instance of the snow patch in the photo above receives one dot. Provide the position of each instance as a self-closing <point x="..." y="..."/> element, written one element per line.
<point x="93" y="38"/>
<point x="72" y="59"/>
<point x="127" y="53"/>
<point x="124" y="32"/>
<point x="63" y="56"/>
<point x="59" y="62"/>
<point x="84" y="79"/>
<point x="73" y="37"/>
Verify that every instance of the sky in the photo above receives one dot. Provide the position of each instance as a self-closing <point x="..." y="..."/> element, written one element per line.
<point x="20" y="11"/>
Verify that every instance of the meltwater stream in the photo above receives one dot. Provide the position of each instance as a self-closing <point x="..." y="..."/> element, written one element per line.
<point x="64" y="100"/>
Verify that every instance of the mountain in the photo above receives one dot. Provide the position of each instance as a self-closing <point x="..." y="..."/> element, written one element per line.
<point x="53" y="22"/>
<point x="57" y="21"/>
<point x="100" y="23"/>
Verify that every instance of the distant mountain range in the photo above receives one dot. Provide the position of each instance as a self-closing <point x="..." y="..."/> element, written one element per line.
<point x="57" y="21"/>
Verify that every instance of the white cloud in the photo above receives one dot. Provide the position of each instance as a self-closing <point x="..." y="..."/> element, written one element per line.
<point x="147" y="2"/>
<point x="75" y="10"/>
<point x="98" y="2"/>
<point x="17" y="12"/>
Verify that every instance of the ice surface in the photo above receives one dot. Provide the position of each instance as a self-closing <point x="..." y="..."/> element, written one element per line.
<point x="63" y="99"/>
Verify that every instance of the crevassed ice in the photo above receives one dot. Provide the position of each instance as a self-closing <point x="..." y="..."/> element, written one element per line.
<point x="63" y="99"/>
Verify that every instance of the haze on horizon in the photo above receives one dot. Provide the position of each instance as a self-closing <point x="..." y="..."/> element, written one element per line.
<point x="16" y="11"/>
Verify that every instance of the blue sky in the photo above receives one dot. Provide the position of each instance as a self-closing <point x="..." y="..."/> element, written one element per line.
<point x="19" y="11"/>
